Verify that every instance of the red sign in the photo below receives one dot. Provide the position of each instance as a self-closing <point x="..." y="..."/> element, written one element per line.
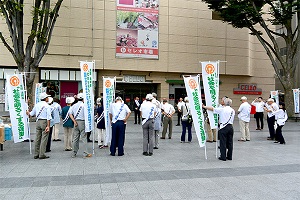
<point x="250" y="89"/>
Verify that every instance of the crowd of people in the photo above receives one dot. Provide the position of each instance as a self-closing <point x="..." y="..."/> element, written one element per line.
<point x="153" y="115"/>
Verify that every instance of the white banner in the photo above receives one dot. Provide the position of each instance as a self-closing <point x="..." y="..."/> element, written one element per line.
<point x="274" y="95"/>
<point x="108" y="98"/>
<point x="194" y="94"/>
<point x="87" y="74"/>
<point x="210" y="77"/>
<point x="296" y="100"/>
<point x="38" y="91"/>
<point x="17" y="107"/>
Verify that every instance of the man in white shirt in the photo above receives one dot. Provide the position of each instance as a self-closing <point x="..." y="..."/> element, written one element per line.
<point x="271" y="107"/>
<point x="157" y="120"/>
<point x="147" y="113"/>
<point x="42" y="111"/>
<point x="179" y="106"/>
<point x="259" y="112"/>
<point x="226" y="117"/>
<point x="77" y="116"/>
<point x="244" y="119"/>
<point x="168" y="111"/>
<point x="118" y="114"/>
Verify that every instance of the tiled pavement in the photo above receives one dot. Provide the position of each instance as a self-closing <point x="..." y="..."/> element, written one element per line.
<point x="260" y="169"/>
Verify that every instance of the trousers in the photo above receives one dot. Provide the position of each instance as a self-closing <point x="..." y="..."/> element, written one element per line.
<point x="79" y="132"/>
<point x="148" y="128"/>
<point x="41" y="138"/>
<point x="226" y="141"/>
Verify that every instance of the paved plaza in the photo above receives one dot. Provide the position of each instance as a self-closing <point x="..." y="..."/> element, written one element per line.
<point x="260" y="169"/>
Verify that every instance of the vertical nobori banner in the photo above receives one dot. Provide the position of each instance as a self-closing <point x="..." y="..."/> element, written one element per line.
<point x="211" y="89"/>
<point x="108" y="98"/>
<point x="194" y="94"/>
<point x="87" y="74"/>
<point x="296" y="100"/>
<point x="137" y="29"/>
<point x="275" y="95"/>
<point x="17" y="107"/>
<point x="38" y="90"/>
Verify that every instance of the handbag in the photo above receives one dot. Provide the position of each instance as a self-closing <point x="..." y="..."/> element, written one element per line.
<point x="190" y="119"/>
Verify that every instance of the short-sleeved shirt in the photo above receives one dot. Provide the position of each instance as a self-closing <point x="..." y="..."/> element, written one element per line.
<point x="41" y="110"/>
<point x="168" y="108"/>
<point x="179" y="105"/>
<point x="77" y="110"/>
<point x="274" y="107"/>
<point x="259" y="106"/>
<point x="244" y="112"/>
<point x="56" y="112"/>
<point x="148" y="109"/>
<point x="226" y="115"/>
<point x="118" y="111"/>
<point x="64" y="113"/>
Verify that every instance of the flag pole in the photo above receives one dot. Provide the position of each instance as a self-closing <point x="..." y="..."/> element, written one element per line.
<point x="28" y="123"/>
<point x="93" y="130"/>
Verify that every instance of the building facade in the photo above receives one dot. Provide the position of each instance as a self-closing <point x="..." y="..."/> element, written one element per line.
<point x="188" y="34"/>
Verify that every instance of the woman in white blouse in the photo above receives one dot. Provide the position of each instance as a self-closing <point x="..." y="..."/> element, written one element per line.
<point x="281" y="117"/>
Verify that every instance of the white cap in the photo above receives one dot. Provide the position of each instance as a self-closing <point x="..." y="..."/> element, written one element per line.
<point x="186" y="99"/>
<point x="50" y="100"/>
<point x="272" y="100"/>
<point x="118" y="98"/>
<point x="243" y="98"/>
<point x="98" y="101"/>
<point x="149" y="96"/>
<point x="80" y="96"/>
<point x="70" y="100"/>
<point x="44" y="95"/>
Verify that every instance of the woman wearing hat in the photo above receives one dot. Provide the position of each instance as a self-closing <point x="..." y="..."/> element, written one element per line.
<point x="68" y="124"/>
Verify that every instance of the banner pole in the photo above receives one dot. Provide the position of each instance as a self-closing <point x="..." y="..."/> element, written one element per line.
<point x="28" y="123"/>
<point x="93" y="131"/>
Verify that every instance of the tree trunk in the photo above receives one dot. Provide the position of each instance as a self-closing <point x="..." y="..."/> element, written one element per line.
<point x="289" y="100"/>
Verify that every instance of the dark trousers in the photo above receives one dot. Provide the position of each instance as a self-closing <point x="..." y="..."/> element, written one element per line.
<point x="117" y="137"/>
<point x="271" y="122"/>
<point x="179" y="114"/>
<point x="137" y="117"/>
<point x="279" y="136"/>
<point x="226" y="141"/>
<point x="186" y="124"/>
<point x="48" y="146"/>
<point x="259" y="116"/>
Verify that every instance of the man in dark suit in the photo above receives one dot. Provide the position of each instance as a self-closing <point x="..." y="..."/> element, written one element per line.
<point x="137" y="105"/>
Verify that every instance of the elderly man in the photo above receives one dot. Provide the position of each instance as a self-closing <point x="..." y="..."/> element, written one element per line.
<point x="42" y="111"/>
<point x="148" y="112"/>
<point x="168" y="111"/>
<point x="244" y="119"/>
<point x="118" y="114"/>
<point x="226" y="114"/>
<point x="76" y="114"/>
<point x="157" y="120"/>
<point x="271" y="107"/>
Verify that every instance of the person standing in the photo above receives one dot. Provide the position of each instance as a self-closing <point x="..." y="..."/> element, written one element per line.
<point x="186" y="111"/>
<point x="244" y="119"/>
<point x="48" y="146"/>
<point x="226" y="117"/>
<point x="157" y="120"/>
<point x="148" y="112"/>
<point x="118" y="114"/>
<point x="100" y="124"/>
<point x="259" y="115"/>
<point x="168" y="111"/>
<point x="68" y="124"/>
<point x="42" y="111"/>
<point x="271" y="107"/>
<point x="56" y="118"/>
<point x="77" y="116"/>
<point x="281" y="117"/>
<point x="179" y="109"/>
<point x="137" y="115"/>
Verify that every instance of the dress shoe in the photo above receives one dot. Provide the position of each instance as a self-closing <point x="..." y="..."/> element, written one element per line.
<point x="177" y="124"/>
<point x="112" y="154"/>
<point x="68" y="149"/>
<point x="36" y="157"/>
<point x="228" y="158"/>
<point x="242" y="140"/>
<point x="221" y="159"/>
<point x="47" y="151"/>
<point x="170" y="138"/>
<point x="145" y="153"/>
<point x="58" y="139"/>
<point x="44" y="157"/>
<point x="214" y="141"/>
<point x="89" y="141"/>
<point x="247" y="140"/>
<point x="155" y="147"/>
<point x="150" y="154"/>
<point x="276" y="142"/>
<point x="258" y="129"/>
<point x="122" y="154"/>
<point x="269" y="138"/>
<point x="162" y="138"/>
<point x="282" y="143"/>
<point x="209" y="141"/>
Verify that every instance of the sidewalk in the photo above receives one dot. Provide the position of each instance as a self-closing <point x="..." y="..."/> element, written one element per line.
<point x="260" y="169"/>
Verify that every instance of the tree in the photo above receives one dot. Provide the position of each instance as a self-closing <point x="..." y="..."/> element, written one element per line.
<point x="28" y="56"/>
<point x="263" y="15"/>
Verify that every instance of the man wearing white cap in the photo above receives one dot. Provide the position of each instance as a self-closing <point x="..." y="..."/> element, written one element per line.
<point x="271" y="107"/>
<point x="77" y="115"/>
<point x="42" y="111"/>
<point x="244" y="119"/>
<point x="118" y="114"/>
<point x="147" y="113"/>
<point x="68" y="124"/>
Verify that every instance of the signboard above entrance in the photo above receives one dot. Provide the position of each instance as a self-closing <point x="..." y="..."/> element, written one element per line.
<point x="134" y="79"/>
<point x="246" y="88"/>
